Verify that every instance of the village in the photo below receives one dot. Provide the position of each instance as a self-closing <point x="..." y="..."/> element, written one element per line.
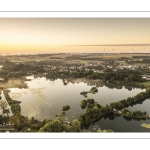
<point x="97" y="63"/>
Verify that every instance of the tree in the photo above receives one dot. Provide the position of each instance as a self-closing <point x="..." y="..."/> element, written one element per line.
<point x="32" y="120"/>
<point x="23" y="119"/>
<point x="145" y="113"/>
<point x="125" y="110"/>
<point x="83" y="104"/>
<point x="112" y="79"/>
<point x="104" y="110"/>
<point x="65" y="108"/>
<point x="126" y="79"/>
<point x="113" y="105"/>
<point x="6" y="111"/>
<point x="130" y="77"/>
<point x="3" y="104"/>
<point x="104" y="78"/>
<point x="54" y="126"/>
<point x="129" y="114"/>
<point x="93" y="90"/>
<point x="118" y="105"/>
<point x="76" y="125"/>
<point x="98" y="105"/>
<point x="91" y="101"/>
<point x="15" y="120"/>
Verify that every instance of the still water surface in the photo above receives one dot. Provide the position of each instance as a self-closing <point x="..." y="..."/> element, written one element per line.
<point x="43" y="99"/>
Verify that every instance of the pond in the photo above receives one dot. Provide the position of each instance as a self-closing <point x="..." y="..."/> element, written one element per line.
<point x="43" y="98"/>
<point x="143" y="106"/>
<point x="119" y="124"/>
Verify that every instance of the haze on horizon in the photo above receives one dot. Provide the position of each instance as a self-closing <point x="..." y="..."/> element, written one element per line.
<point x="52" y="35"/>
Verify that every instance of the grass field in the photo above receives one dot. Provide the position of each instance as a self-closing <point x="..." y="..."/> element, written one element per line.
<point x="146" y="84"/>
<point x="72" y="57"/>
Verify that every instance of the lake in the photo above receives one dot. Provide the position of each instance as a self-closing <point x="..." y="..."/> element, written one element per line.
<point x="43" y="99"/>
<point x="119" y="124"/>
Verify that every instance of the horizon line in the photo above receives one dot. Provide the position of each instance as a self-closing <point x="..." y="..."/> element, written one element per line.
<point x="112" y="45"/>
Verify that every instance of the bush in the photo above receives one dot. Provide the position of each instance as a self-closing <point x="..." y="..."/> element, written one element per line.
<point x="83" y="104"/>
<point x="65" y="108"/>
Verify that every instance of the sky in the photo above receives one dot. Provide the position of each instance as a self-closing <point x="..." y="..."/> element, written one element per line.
<point x="52" y="35"/>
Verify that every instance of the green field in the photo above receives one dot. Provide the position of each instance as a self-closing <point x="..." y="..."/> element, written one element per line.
<point x="146" y="84"/>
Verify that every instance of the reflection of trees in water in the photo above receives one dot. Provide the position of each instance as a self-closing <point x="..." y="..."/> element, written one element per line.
<point x="135" y="103"/>
<point x="127" y="119"/>
<point x="110" y="116"/>
<point x="98" y="83"/>
<point x="51" y="79"/>
<point x="135" y="119"/>
<point x="87" y="126"/>
<point x="91" y="84"/>
<point x="128" y="87"/>
<point x="121" y="85"/>
<point x="86" y="81"/>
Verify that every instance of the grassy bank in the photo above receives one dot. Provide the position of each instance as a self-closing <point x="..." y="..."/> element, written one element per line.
<point x="146" y="84"/>
<point x="15" y="105"/>
<point x="14" y="83"/>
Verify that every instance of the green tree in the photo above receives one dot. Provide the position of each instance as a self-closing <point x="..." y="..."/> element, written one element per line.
<point x="76" y="125"/>
<point x="128" y="114"/>
<point x="65" y="108"/>
<point x="83" y="104"/>
<point x="125" y="110"/>
<point x="15" y="120"/>
<point x="145" y="113"/>
<point x="32" y="120"/>
<point x="126" y="79"/>
<point x="130" y="77"/>
<point x="54" y="126"/>
<point x="104" y="110"/>
<point x="3" y="104"/>
<point x="6" y="111"/>
<point x="113" y="105"/>
<point x="112" y="79"/>
<point x="91" y="101"/>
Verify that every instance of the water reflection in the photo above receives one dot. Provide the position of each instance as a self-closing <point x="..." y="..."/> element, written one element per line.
<point x="110" y="116"/>
<point x="43" y="98"/>
<point x="119" y="124"/>
<point x="143" y="106"/>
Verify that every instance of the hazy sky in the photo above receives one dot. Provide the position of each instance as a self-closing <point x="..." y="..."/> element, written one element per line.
<point x="45" y="35"/>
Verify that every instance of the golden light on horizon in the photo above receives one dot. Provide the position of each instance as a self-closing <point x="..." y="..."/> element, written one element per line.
<point x="42" y="35"/>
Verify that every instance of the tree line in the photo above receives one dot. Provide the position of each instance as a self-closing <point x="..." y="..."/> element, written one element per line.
<point x="95" y="111"/>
